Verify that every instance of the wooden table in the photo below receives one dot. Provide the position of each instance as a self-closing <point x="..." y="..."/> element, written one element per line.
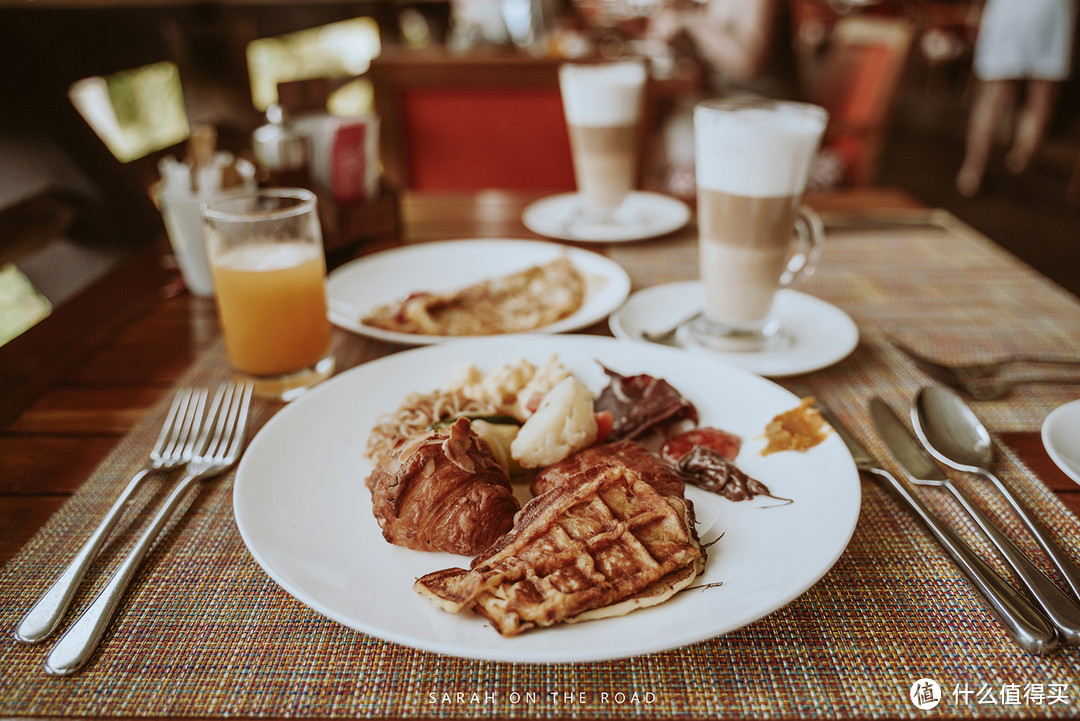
<point x="92" y="395"/>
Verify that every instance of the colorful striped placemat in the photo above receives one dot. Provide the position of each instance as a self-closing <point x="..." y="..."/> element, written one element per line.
<point x="203" y="632"/>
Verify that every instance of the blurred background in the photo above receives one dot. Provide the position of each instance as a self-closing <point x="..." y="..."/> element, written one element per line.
<point x="94" y="93"/>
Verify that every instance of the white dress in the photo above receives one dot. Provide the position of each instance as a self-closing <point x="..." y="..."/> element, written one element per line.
<point x="1025" y="39"/>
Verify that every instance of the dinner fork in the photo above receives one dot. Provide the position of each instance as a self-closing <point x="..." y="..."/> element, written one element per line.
<point x="174" y="446"/>
<point x="973" y="379"/>
<point x="221" y="438"/>
<point x="994" y="389"/>
<point x="980" y="369"/>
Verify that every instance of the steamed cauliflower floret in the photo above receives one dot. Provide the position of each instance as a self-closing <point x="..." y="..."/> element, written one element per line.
<point x="543" y="380"/>
<point x="563" y="424"/>
<point x="510" y="387"/>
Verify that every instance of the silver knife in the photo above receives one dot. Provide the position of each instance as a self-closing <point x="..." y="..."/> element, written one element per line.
<point x="1027" y="626"/>
<point x="921" y="468"/>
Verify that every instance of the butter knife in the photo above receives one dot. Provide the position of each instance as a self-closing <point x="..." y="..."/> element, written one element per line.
<point x="1023" y="622"/>
<point x="920" y="468"/>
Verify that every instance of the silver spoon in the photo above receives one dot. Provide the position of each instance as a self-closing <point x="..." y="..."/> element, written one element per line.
<point x="667" y="337"/>
<point x="955" y="436"/>
<point x="921" y="469"/>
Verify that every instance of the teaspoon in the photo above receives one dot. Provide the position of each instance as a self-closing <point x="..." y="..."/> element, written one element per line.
<point x="667" y="337"/>
<point x="954" y="435"/>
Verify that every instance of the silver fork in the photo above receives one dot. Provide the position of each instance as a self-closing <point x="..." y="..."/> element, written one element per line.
<point x="993" y="389"/>
<point x="973" y="379"/>
<point x="174" y="446"/>
<point x="982" y="369"/>
<point x="220" y="440"/>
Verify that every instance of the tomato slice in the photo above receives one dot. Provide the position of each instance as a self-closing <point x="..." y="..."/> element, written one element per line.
<point x="724" y="443"/>
<point x="604" y="423"/>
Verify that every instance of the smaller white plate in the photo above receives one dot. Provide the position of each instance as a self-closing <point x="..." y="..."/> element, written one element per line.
<point x="647" y="215"/>
<point x="358" y="287"/>
<point x="820" y="333"/>
<point x="1061" y="437"/>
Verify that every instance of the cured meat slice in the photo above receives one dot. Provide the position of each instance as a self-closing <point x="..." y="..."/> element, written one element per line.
<point x="602" y="544"/>
<point x="442" y="491"/>
<point x="641" y="402"/>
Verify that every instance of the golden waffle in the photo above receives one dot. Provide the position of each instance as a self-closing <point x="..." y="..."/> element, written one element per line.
<point x="603" y="545"/>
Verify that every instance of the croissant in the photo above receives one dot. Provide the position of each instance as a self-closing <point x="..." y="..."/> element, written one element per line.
<point x="442" y="490"/>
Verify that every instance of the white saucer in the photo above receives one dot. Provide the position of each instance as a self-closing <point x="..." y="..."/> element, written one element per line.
<point x="1061" y="437"/>
<point x="647" y="215"/>
<point x="820" y="334"/>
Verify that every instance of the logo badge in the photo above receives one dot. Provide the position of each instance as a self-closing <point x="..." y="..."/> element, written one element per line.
<point x="925" y="693"/>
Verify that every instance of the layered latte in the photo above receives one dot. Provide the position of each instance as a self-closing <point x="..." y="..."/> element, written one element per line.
<point x="602" y="103"/>
<point x="752" y="166"/>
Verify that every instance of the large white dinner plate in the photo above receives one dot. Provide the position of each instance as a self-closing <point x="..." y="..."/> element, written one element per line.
<point x="305" y="514"/>
<point x="1061" y="438"/>
<point x="358" y="287"/>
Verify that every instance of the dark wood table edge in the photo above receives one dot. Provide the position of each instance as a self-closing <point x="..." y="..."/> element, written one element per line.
<point x="40" y="357"/>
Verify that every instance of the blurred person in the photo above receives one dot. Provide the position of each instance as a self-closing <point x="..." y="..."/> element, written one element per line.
<point x="746" y="45"/>
<point x="1021" y="43"/>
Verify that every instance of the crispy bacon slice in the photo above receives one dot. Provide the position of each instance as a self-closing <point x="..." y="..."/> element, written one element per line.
<point x="707" y="469"/>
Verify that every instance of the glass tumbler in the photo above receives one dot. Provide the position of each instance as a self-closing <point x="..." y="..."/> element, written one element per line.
<point x="269" y="271"/>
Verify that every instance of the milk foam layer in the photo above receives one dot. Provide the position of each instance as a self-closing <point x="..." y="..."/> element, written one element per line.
<point x="268" y="256"/>
<point x="756" y="151"/>
<point x="602" y="95"/>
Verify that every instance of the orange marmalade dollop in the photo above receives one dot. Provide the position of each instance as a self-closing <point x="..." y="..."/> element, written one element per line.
<point x="798" y="429"/>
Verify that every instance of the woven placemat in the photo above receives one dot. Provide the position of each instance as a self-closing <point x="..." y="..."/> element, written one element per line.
<point x="204" y="632"/>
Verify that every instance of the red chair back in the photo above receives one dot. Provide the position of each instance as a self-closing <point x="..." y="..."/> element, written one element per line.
<point x="474" y="138"/>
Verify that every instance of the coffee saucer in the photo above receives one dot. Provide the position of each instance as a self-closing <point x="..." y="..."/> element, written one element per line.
<point x="818" y="333"/>
<point x="644" y="215"/>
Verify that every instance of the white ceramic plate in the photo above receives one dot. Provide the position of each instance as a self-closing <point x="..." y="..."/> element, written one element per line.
<point x="820" y="334"/>
<point x="1061" y="437"/>
<point x="358" y="287"/>
<point x="305" y="514"/>
<point x="647" y="215"/>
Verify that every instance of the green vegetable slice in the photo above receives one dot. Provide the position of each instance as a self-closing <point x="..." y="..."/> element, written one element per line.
<point x="498" y="420"/>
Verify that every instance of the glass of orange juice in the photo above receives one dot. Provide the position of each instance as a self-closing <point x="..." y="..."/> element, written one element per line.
<point x="269" y="272"/>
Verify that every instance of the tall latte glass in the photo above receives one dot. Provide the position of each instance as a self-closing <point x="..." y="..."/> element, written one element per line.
<point x="603" y="103"/>
<point x="753" y="157"/>
<point x="266" y="258"/>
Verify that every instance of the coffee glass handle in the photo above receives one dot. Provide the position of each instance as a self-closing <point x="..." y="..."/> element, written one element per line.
<point x="807" y="249"/>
